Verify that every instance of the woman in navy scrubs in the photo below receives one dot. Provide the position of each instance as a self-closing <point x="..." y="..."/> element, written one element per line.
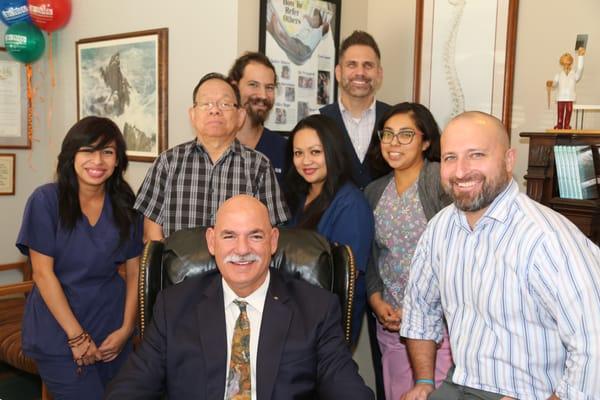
<point x="80" y="315"/>
<point x="321" y="195"/>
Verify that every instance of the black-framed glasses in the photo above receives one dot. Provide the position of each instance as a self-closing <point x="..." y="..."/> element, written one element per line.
<point x="403" y="136"/>
<point x="221" y="105"/>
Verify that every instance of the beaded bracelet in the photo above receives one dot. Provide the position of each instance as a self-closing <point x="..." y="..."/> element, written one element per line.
<point x="79" y="339"/>
<point x="428" y="381"/>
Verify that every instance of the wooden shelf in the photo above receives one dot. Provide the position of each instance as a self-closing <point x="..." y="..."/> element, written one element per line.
<point x="542" y="184"/>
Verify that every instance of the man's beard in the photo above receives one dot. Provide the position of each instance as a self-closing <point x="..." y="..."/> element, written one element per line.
<point x="365" y="91"/>
<point x="258" y="117"/>
<point x="490" y="189"/>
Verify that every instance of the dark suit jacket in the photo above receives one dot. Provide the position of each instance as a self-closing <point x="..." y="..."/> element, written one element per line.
<point x="301" y="349"/>
<point x="360" y="173"/>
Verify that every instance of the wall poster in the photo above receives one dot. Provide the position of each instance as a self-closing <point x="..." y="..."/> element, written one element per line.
<point x="464" y="57"/>
<point x="301" y="38"/>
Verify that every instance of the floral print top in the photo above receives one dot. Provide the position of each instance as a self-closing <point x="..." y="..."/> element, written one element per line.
<point x="399" y="223"/>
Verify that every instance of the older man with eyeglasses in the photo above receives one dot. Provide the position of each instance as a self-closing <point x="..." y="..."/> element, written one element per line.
<point x="187" y="183"/>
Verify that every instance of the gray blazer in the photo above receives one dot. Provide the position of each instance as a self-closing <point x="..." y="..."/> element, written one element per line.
<point x="432" y="197"/>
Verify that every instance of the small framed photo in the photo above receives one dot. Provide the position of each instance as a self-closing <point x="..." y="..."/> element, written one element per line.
<point x="7" y="174"/>
<point x="581" y="41"/>
<point x="124" y="77"/>
<point x="15" y="107"/>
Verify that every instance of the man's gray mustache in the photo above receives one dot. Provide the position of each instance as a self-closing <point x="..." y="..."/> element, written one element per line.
<point x="236" y="258"/>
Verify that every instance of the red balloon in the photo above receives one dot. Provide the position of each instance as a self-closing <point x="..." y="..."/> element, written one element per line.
<point x="49" y="15"/>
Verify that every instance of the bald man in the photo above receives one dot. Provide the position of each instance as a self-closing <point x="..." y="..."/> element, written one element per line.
<point x="517" y="283"/>
<point x="291" y="332"/>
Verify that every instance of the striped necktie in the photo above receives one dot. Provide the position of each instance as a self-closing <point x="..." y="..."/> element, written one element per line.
<point x="238" y="380"/>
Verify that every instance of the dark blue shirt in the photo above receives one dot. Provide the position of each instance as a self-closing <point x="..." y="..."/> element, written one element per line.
<point x="86" y="261"/>
<point x="349" y="220"/>
<point x="274" y="146"/>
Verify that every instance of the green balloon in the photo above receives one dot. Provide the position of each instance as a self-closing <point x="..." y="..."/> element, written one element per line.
<point x="25" y="42"/>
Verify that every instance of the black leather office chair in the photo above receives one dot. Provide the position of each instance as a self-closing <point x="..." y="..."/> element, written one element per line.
<point x="302" y="253"/>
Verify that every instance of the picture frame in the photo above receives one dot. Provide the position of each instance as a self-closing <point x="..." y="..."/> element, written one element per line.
<point x="465" y="57"/>
<point x="15" y="106"/>
<point x="301" y="38"/>
<point x="7" y="174"/>
<point x="124" y="77"/>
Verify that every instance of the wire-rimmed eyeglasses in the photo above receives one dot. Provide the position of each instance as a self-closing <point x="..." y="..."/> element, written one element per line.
<point x="221" y="105"/>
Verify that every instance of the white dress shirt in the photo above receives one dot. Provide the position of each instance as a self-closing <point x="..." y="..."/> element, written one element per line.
<point x="359" y="129"/>
<point x="254" y="310"/>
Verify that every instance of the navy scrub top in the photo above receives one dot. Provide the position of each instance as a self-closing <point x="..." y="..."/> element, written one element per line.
<point x="349" y="220"/>
<point x="274" y="146"/>
<point x="86" y="261"/>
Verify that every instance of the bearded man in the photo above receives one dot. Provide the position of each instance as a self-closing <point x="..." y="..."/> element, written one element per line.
<point x="517" y="283"/>
<point x="255" y="76"/>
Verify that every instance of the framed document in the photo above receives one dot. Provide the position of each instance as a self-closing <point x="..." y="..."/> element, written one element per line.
<point x="7" y="174"/>
<point x="15" y="107"/>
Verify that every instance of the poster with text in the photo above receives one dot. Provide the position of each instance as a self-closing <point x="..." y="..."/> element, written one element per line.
<point x="300" y="38"/>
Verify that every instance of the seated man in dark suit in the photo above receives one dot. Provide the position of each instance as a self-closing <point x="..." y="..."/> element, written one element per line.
<point x="245" y="332"/>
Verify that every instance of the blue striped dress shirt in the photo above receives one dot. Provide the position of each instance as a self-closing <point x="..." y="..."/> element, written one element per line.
<point x="521" y="296"/>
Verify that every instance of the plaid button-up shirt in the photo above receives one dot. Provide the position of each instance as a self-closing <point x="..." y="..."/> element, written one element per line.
<point x="184" y="189"/>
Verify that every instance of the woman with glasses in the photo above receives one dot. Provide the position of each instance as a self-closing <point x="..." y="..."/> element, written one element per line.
<point x="80" y="315"/>
<point x="406" y="146"/>
<point x="321" y="196"/>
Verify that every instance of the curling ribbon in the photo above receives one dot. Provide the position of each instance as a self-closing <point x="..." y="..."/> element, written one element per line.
<point x="29" y="103"/>
<point x="52" y="81"/>
<point x="50" y="62"/>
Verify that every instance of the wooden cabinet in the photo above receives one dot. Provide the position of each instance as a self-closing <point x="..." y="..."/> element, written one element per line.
<point x="541" y="179"/>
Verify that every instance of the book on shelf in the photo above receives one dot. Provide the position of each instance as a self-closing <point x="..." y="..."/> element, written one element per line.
<point x="588" y="184"/>
<point x="576" y="172"/>
<point x="560" y="172"/>
<point x="597" y="165"/>
<point x="571" y="163"/>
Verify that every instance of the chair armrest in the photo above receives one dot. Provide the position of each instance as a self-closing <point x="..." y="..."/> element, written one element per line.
<point x="16" y="288"/>
<point x="344" y="282"/>
<point x="149" y="283"/>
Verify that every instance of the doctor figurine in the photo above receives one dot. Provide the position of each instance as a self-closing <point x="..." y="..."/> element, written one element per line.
<point x="565" y="81"/>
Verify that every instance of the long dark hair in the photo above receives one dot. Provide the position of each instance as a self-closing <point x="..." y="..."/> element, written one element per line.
<point x="423" y="120"/>
<point x="338" y="170"/>
<point x="99" y="132"/>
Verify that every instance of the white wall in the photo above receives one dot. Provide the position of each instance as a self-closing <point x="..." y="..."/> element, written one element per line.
<point x="392" y="24"/>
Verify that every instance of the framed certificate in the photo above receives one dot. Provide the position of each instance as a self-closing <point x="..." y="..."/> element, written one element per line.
<point x="7" y="174"/>
<point x="15" y="107"/>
